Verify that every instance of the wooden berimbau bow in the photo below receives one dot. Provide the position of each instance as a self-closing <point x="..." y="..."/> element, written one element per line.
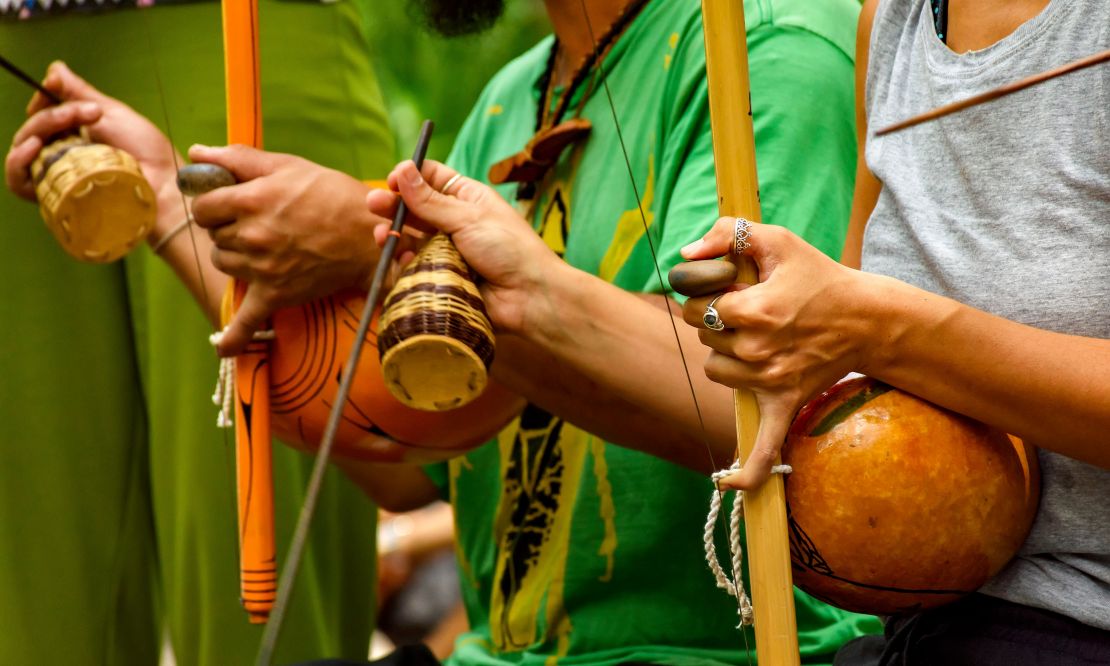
<point x="738" y="195"/>
<point x="726" y="55"/>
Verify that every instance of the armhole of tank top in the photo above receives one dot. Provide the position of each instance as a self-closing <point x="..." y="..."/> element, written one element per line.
<point x="940" y="18"/>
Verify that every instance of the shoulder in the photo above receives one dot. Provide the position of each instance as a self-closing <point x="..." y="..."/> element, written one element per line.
<point x="519" y="76"/>
<point x="673" y="29"/>
<point x="834" y="21"/>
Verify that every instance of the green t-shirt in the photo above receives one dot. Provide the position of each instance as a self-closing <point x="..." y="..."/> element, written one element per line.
<point x="572" y="549"/>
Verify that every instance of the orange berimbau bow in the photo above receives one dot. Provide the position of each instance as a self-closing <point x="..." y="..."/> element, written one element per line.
<point x="254" y="472"/>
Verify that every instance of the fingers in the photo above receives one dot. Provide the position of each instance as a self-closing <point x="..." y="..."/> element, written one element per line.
<point x="437" y="175"/>
<point x="251" y="316"/>
<point x="17" y="167"/>
<point x="766" y="244"/>
<point x="243" y="162"/>
<point x="224" y="205"/>
<point x="445" y="213"/>
<point x="717" y="242"/>
<point x="61" y="81"/>
<point x="775" y="418"/>
<point x="30" y="138"/>
<point x="229" y="238"/>
<point x="58" y="119"/>
<point x="730" y="305"/>
<point x="232" y="263"/>
<point x="382" y="203"/>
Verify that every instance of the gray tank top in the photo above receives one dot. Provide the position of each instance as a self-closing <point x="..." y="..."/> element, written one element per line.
<point x="1006" y="207"/>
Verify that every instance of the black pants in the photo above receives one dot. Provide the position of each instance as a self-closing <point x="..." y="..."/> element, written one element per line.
<point x="980" y="631"/>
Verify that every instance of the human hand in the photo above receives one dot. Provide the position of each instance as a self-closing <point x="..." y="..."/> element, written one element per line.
<point x="492" y="237"/>
<point x="108" y="120"/>
<point x="798" y="331"/>
<point x="293" y="230"/>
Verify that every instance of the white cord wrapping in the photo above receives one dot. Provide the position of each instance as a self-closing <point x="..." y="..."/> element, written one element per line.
<point x="225" y="383"/>
<point x="735" y="588"/>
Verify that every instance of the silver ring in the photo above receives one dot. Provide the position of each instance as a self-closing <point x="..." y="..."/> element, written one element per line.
<point x="448" y="184"/>
<point x="741" y="236"/>
<point x="712" y="318"/>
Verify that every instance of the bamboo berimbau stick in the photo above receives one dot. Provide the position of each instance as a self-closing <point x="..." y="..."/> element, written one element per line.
<point x="726" y="50"/>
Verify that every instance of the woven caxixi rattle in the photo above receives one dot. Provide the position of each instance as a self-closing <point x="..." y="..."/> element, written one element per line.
<point x="93" y="198"/>
<point x="435" y="339"/>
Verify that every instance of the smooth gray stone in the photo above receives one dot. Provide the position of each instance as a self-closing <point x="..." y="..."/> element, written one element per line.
<point x="195" y="179"/>
<point x="699" y="278"/>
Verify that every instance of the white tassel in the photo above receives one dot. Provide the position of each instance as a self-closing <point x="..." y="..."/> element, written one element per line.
<point x="225" y="383"/>
<point x="735" y="588"/>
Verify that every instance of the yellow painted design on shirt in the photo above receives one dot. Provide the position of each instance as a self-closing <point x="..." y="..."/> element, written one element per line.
<point x="495" y="110"/>
<point x="669" y="57"/>
<point x="561" y="650"/>
<point x="541" y="471"/>
<point x="455" y="468"/>
<point x="555" y="221"/>
<point x="606" y="508"/>
<point x="630" y="229"/>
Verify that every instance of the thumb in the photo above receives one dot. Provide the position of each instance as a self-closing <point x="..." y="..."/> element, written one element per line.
<point x="717" y="242"/>
<point x="244" y="162"/>
<point x="773" y="426"/>
<point x="251" y="316"/>
<point x="447" y="214"/>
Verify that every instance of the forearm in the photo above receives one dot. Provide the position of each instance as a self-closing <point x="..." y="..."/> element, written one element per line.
<point x="1050" y="389"/>
<point x="607" y="361"/>
<point x="188" y="253"/>
<point x="418" y="534"/>
<point x="395" y="487"/>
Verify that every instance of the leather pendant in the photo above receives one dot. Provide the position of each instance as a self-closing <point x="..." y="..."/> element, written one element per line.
<point x="541" y="153"/>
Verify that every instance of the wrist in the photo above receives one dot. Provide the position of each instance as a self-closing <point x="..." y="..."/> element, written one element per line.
<point x="171" y="219"/>
<point x="547" y="294"/>
<point x="880" y="314"/>
<point x="899" y="317"/>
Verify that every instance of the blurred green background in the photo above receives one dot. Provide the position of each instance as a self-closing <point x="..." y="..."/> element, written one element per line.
<point x="428" y="76"/>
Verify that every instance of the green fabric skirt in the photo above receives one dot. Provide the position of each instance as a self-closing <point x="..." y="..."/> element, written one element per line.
<point x="117" y="494"/>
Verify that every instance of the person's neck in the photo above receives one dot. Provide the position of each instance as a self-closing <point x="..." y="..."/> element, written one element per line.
<point x="574" y="32"/>
<point x="977" y="24"/>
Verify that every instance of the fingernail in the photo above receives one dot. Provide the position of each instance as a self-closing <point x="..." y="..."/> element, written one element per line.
<point x="88" y="107"/>
<point x="730" y="482"/>
<point x="414" y="177"/>
<point x="693" y="246"/>
<point x="199" y="151"/>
